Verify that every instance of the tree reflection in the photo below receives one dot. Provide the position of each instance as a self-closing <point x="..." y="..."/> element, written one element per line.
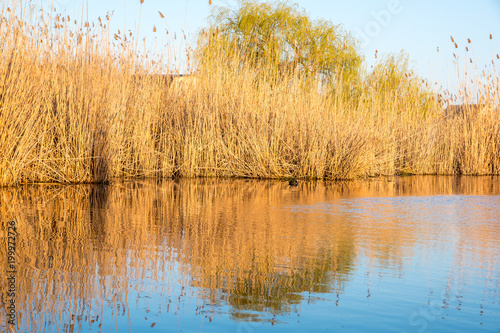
<point x="259" y="247"/>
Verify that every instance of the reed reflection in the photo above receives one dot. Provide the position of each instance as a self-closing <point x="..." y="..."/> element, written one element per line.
<point x="88" y="254"/>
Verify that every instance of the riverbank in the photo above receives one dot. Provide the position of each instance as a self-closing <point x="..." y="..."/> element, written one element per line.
<point x="79" y="113"/>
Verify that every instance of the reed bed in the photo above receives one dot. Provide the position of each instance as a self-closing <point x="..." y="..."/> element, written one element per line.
<point x="79" y="104"/>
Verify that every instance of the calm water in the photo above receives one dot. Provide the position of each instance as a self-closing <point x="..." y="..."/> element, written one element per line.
<point x="414" y="254"/>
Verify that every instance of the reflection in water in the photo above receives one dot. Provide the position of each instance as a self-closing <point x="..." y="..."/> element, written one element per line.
<point x="212" y="254"/>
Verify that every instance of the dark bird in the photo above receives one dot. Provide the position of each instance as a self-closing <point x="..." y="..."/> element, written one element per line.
<point x="293" y="182"/>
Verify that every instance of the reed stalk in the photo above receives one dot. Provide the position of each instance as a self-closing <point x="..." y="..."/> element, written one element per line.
<point x="77" y="107"/>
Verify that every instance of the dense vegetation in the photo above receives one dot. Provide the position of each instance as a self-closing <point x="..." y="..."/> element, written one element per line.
<point x="303" y="106"/>
<point x="278" y="38"/>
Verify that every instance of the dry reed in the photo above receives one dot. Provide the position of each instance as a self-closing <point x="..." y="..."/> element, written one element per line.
<point x="79" y="106"/>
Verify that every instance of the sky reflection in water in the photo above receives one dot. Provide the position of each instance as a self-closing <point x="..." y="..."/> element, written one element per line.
<point x="413" y="254"/>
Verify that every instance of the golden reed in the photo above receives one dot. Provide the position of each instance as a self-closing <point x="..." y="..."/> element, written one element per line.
<point x="78" y="106"/>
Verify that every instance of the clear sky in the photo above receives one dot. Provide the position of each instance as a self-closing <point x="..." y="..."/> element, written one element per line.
<point x="389" y="26"/>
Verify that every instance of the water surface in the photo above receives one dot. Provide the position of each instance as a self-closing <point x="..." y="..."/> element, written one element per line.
<point x="412" y="254"/>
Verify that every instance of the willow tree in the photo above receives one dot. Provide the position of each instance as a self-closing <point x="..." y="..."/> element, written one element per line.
<point x="274" y="37"/>
<point x="395" y="85"/>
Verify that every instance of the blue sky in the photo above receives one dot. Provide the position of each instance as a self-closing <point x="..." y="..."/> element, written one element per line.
<point x="389" y="26"/>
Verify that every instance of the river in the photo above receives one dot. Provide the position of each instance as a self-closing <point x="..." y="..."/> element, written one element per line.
<point x="402" y="254"/>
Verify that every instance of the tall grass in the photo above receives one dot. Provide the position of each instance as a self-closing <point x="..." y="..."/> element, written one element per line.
<point x="79" y="104"/>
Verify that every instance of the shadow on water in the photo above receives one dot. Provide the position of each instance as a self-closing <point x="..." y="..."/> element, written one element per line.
<point x="89" y="254"/>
